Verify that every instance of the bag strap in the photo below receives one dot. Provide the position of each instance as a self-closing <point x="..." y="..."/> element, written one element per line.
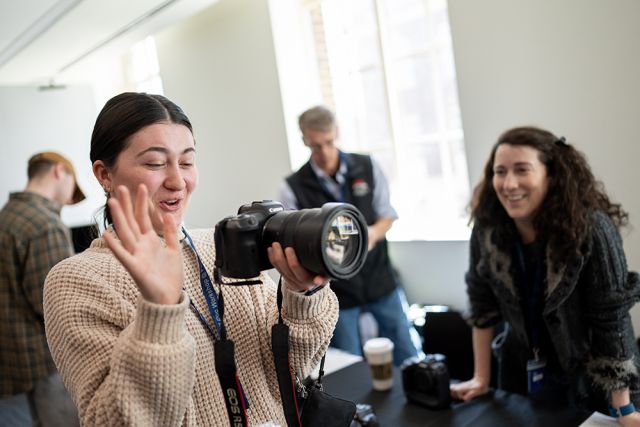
<point x="286" y="383"/>
<point x="280" y="348"/>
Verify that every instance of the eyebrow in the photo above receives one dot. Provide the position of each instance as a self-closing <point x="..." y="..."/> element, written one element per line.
<point x="164" y="150"/>
<point x="500" y="165"/>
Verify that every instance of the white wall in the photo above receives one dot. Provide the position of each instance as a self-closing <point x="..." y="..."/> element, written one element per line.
<point x="61" y="120"/>
<point x="220" y="67"/>
<point x="570" y="66"/>
<point x="433" y="272"/>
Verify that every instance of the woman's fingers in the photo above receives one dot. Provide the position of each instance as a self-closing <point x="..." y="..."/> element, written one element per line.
<point x="126" y="201"/>
<point x="142" y="209"/>
<point x="120" y="252"/>
<point x="296" y="269"/>
<point x="170" y="232"/>
<point x="278" y="260"/>
<point x="120" y="223"/>
<point x="287" y="263"/>
<point x="466" y="390"/>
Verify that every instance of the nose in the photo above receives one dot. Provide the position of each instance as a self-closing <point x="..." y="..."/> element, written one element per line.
<point x="510" y="181"/>
<point x="174" y="179"/>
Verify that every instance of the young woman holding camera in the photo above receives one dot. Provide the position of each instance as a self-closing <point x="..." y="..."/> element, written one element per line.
<point x="547" y="259"/>
<point x="133" y="321"/>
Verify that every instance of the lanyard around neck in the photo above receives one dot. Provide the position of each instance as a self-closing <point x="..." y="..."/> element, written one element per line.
<point x="214" y="303"/>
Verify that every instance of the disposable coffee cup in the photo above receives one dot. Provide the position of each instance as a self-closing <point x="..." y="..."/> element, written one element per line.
<point x="379" y="355"/>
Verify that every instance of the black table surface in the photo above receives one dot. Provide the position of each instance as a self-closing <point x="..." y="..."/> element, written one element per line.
<point x="497" y="408"/>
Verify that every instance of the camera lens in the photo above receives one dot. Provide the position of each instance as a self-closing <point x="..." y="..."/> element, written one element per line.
<point x="331" y="240"/>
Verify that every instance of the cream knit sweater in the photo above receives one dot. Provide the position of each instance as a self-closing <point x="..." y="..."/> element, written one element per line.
<point x="128" y="362"/>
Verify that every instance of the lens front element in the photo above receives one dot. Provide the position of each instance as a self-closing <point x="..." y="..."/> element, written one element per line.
<point x="342" y="241"/>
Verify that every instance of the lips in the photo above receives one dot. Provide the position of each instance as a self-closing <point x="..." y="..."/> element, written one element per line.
<point x="170" y="205"/>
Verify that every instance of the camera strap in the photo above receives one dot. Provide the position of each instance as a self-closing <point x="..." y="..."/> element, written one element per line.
<point x="224" y="349"/>
<point x="286" y="383"/>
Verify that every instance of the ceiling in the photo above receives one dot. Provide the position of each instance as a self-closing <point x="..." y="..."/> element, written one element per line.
<point x="50" y="41"/>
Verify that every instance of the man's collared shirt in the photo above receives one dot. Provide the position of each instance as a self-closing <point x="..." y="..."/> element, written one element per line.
<point x="32" y="240"/>
<point x="381" y="202"/>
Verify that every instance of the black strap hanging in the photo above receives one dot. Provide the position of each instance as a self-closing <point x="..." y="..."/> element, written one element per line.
<point x="224" y="349"/>
<point x="225" y="362"/>
<point x="286" y="383"/>
<point x="280" y="347"/>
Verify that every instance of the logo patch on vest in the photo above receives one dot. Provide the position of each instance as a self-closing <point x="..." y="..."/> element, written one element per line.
<point x="360" y="188"/>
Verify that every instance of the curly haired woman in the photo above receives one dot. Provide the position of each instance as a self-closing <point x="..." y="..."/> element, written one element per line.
<point x="546" y="258"/>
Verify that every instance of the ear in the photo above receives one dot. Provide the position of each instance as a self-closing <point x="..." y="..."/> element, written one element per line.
<point x="103" y="175"/>
<point x="59" y="170"/>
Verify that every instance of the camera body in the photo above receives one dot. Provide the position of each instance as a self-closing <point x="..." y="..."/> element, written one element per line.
<point x="426" y="381"/>
<point x="244" y="233"/>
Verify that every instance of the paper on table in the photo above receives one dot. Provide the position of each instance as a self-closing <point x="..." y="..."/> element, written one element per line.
<point x="336" y="360"/>
<point x="600" y="420"/>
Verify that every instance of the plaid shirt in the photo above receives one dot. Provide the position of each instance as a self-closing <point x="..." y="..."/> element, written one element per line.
<point x="32" y="240"/>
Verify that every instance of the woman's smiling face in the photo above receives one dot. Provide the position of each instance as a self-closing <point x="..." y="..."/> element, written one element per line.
<point x="520" y="181"/>
<point x="161" y="156"/>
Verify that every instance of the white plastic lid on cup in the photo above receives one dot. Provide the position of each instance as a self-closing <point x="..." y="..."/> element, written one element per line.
<point x="378" y="346"/>
<point x="378" y="350"/>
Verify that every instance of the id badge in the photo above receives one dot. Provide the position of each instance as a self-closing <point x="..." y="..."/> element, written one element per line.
<point x="535" y="374"/>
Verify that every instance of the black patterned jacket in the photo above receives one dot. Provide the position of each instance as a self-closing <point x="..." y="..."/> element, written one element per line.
<point x="586" y="309"/>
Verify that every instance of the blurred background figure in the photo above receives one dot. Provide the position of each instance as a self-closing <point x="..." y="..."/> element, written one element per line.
<point x="33" y="239"/>
<point x="332" y="175"/>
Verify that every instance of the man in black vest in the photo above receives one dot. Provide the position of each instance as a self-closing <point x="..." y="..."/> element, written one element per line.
<point x="331" y="175"/>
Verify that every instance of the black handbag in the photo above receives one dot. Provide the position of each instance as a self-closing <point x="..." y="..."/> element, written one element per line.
<point x="319" y="409"/>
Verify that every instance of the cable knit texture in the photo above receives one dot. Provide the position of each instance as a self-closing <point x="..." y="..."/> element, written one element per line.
<point x="127" y="361"/>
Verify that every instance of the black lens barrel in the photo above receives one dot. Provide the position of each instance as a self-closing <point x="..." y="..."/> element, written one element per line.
<point x="306" y="231"/>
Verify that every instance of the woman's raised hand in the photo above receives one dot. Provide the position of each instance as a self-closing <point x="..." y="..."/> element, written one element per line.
<point x="155" y="266"/>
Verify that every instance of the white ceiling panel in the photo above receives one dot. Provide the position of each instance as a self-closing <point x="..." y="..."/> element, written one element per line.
<point x="85" y="29"/>
<point x="18" y="16"/>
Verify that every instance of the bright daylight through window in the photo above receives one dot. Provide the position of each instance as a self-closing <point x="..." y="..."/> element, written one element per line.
<point x="386" y="67"/>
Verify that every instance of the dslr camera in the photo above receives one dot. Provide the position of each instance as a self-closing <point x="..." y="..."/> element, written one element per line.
<point x="426" y="381"/>
<point x="329" y="241"/>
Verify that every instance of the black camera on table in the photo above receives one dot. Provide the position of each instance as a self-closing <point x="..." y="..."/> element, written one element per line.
<point x="330" y="240"/>
<point x="426" y="381"/>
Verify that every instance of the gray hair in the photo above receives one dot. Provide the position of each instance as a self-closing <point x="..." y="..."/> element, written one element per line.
<point x="318" y="118"/>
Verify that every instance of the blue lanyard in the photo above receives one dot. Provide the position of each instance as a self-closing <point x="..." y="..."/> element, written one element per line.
<point x="209" y="292"/>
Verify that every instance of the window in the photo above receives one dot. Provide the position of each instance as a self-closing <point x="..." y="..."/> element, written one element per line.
<point x="143" y="70"/>
<point x="386" y="67"/>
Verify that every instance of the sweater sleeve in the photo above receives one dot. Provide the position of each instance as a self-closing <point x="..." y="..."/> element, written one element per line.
<point x="612" y="292"/>
<point x="124" y="364"/>
<point x="311" y="321"/>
